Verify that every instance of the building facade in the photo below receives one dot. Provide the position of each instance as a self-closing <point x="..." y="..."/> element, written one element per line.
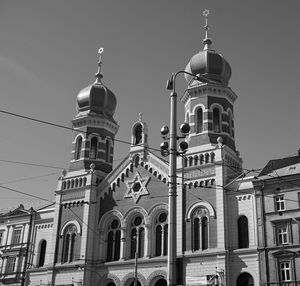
<point x="109" y="226"/>
<point x="278" y="204"/>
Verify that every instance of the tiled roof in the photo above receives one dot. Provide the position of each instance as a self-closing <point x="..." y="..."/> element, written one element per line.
<point x="284" y="166"/>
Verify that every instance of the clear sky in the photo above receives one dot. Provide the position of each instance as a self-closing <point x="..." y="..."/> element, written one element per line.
<point x="48" y="53"/>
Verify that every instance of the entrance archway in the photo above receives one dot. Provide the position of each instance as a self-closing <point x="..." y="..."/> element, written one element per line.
<point x="161" y="282"/>
<point x="111" y="284"/>
<point x="245" y="279"/>
<point x="138" y="283"/>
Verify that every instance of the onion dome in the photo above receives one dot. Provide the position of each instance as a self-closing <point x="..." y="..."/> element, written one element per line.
<point x="209" y="63"/>
<point x="97" y="97"/>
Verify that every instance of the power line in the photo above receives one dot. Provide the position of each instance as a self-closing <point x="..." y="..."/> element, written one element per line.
<point x="62" y="126"/>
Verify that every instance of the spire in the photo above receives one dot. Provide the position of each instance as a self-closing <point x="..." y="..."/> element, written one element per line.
<point x="207" y="41"/>
<point x="99" y="74"/>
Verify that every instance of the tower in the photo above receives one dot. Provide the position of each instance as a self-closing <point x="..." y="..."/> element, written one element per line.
<point x="75" y="216"/>
<point x="94" y="126"/>
<point x="209" y="107"/>
<point x="212" y="160"/>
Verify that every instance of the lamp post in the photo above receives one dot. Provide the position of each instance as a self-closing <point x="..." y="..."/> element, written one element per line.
<point x="136" y="258"/>
<point x="185" y="128"/>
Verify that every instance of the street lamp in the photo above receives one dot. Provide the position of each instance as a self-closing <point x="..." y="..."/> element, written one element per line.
<point x="171" y="150"/>
<point x="136" y="238"/>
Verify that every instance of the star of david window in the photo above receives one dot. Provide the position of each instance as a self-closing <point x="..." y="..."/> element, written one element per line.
<point x="137" y="187"/>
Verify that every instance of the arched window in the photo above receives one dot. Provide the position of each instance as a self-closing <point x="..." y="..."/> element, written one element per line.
<point x="137" y="236"/>
<point x="243" y="234"/>
<point x="43" y="246"/>
<point x="69" y="241"/>
<point x="113" y="241"/>
<point x="78" y="147"/>
<point x="161" y="235"/>
<point x="138" y="134"/>
<point x="245" y="279"/>
<point x="230" y="124"/>
<point x="107" y="151"/>
<point x="200" y="229"/>
<point x="199" y="120"/>
<point x="216" y="120"/>
<point x="187" y="118"/>
<point x="94" y="147"/>
<point x="204" y="233"/>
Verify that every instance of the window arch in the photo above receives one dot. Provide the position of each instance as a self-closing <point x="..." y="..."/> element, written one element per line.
<point x="243" y="233"/>
<point x="78" y="147"/>
<point x="94" y="147"/>
<point x="199" y="120"/>
<point x="216" y="120"/>
<point x="200" y="227"/>
<point x="42" y="252"/>
<point x="137" y="237"/>
<point x="69" y="240"/>
<point x="161" y="234"/>
<point x="113" y="240"/>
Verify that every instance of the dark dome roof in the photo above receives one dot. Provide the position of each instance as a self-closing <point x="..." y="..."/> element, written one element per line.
<point x="209" y="64"/>
<point x="97" y="98"/>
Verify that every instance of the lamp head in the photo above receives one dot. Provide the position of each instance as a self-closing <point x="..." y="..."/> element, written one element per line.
<point x="170" y="83"/>
<point x="183" y="146"/>
<point x="185" y="129"/>
<point x="164" y="145"/>
<point x="164" y="131"/>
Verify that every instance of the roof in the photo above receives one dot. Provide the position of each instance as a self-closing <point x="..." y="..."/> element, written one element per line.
<point x="282" y="167"/>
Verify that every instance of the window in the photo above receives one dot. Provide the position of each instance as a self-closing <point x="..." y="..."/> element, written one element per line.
<point x="16" y="237"/>
<point x="10" y="266"/>
<point x="68" y="253"/>
<point x="94" y="147"/>
<point x="137" y="237"/>
<point x="199" y="120"/>
<point x="243" y="233"/>
<point x="1" y="236"/>
<point x="107" y="151"/>
<point x="285" y="271"/>
<point x="78" y="148"/>
<point x="216" y="120"/>
<point x="282" y="234"/>
<point x="138" y="134"/>
<point x="42" y="253"/>
<point x="113" y="241"/>
<point x="161" y="235"/>
<point x="200" y="229"/>
<point x="279" y="203"/>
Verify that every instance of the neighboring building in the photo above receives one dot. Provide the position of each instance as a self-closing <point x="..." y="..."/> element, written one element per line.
<point x="15" y="242"/>
<point x="23" y="242"/>
<point x="278" y="212"/>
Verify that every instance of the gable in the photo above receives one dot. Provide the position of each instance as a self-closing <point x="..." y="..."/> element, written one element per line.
<point x="140" y="183"/>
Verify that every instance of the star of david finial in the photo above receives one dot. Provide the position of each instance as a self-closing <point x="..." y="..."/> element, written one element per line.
<point x="207" y="41"/>
<point x="140" y="117"/>
<point x="99" y="74"/>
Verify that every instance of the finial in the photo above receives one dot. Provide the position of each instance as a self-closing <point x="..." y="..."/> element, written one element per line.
<point x="207" y="41"/>
<point x="99" y="74"/>
<point x="140" y="117"/>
